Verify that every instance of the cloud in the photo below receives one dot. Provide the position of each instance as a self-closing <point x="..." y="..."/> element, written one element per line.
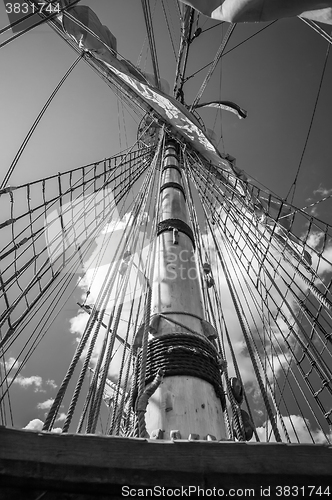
<point x="26" y="382"/>
<point x="271" y="336"/>
<point x="76" y="225"/>
<point x="314" y="211"/>
<point x="96" y="268"/>
<point x="323" y="191"/>
<point x="11" y="364"/>
<point x="51" y="383"/>
<point x="322" y="263"/>
<point x="61" y="417"/>
<point x="46" y="405"/>
<point x="299" y="430"/>
<point x="57" y="430"/>
<point x="37" y="425"/>
<point x="34" y="425"/>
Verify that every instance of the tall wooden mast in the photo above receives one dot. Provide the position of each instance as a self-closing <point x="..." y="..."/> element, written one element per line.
<point x="189" y="401"/>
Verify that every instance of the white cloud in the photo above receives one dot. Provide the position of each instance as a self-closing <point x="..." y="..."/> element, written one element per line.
<point x="34" y="425"/>
<point x="104" y="255"/>
<point x="323" y="191"/>
<point x="322" y="263"/>
<point x="51" y="383"/>
<point x="57" y="430"/>
<point x="46" y="405"/>
<point x="61" y="417"/>
<point x="25" y="382"/>
<point x="298" y="429"/>
<point x="314" y="211"/>
<point x="37" y="425"/>
<point x="271" y="337"/>
<point x="11" y="364"/>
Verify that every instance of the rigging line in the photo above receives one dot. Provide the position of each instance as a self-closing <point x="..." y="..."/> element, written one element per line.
<point x="15" y="23"/>
<point x="310" y="354"/>
<point x="112" y="176"/>
<point x="289" y="366"/>
<point x="42" y="21"/>
<point x="144" y="192"/>
<point x="218" y="111"/>
<point x="223" y="327"/>
<point x="54" y="277"/>
<point x="79" y="23"/>
<point x="2" y="379"/>
<point x="88" y="399"/>
<point x="286" y="341"/>
<point x="36" y="122"/>
<point x="230" y="252"/>
<point x="310" y="127"/>
<point x="152" y="44"/>
<point x="98" y="65"/>
<point x="96" y="404"/>
<point x="283" y="269"/>
<point x="43" y="329"/>
<point x="147" y="210"/>
<point x="301" y="274"/>
<point x="186" y="30"/>
<point x="92" y="208"/>
<point x="197" y="231"/>
<point x="169" y="29"/>
<point x="230" y="50"/>
<point x="35" y="256"/>
<point x="245" y="329"/>
<point x="314" y="204"/>
<point x="101" y="255"/>
<point x="211" y="27"/>
<point x="138" y="153"/>
<point x="320" y="297"/>
<point x="317" y="28"/>
<point x="213" y="65"/>
<point x="67" y="277"/>
<point x="37" y="232"/>
<point x="94" y="317"/>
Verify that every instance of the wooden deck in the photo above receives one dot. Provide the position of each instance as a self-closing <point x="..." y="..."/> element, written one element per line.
<point x="47" y="466"/>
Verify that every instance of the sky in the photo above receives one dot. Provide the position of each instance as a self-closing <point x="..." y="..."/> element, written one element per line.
<point x="274" y="76"/>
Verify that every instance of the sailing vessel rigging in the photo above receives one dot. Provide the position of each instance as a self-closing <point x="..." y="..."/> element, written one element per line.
<point x="204" y="299"/>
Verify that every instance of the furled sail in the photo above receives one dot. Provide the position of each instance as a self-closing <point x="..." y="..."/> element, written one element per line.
<point x="261" y="10"/>
<point x="89" y="33"/>
<point x="226" y="105"/>
<point x="82" y="37"/>
<point x="83" y="25"/>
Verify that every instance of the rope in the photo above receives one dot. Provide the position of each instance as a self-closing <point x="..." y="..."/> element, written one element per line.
<point x="310" y="127"/>
<point x="59" y="397"/>
<point x="285" y="319"/>
<point x="142" y="402"/>
<point x="184" y="354"/>
<point x="313" y="25"/>
<point x="149" y="29"/>
<point x="36" y="122"/>
<point x="47" y="263"/>
<point x="248" y="344"/>
<point x="95" y="406"/>
<point x="29" y="28"/>
<point x="213" y="65"/>
<point x="230" y="50"/>
<point x="168" y="28"/>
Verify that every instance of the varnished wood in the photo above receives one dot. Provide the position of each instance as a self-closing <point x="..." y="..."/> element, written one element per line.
<point x="88" y="464"/>
<point x="200" y="412"/>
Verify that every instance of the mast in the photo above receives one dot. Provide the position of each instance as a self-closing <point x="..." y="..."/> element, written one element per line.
<point x="189" y="401"/>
